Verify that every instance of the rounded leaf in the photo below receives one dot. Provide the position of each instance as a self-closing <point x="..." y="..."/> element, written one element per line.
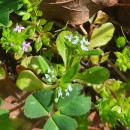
<point x="102" y="35"/>
<point x="28" y="81"/>
<point x="39" y="104"/>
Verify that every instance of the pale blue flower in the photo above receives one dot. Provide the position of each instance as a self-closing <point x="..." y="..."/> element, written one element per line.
<point x="84" y="44"/>
<point x="25" y="45"/>
<point x="75" y="40"/>
<point x="84" y="48"/>
<point x="18" y="29"/>
<point x="68" y="37"/>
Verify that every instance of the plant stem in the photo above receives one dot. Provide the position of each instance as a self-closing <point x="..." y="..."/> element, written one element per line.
<point x="123" y="77"/>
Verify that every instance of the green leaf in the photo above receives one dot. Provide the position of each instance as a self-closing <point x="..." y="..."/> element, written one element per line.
<point x="38" y="45"/>
<point x="102" y="35"/>
<point x="42" y="21"/>
<point x="83" y="122"/>
<point x="120" y="41"/>
<point x="60" y="122"/>
<point x="4" y="114"/>
<point x="0" y="101"/>
<point x="4" y="18"/>
<point x="2" y="73"/>
<point x="76" y="103"/>
<point x="28" y="81"/>
<point x="92" y="52"/>
<point x="7" y="7"/>
<point x="5" y="123"/>
<point x="39" y="104"/>
<point x="39" y="64"/>
<point x="104" y="57"/>
<point x="61" y="47"/>
<point x="94" y="75"/>
<point x="48" y="26"/>
<point x="26" y="16"/>
<point x="67" y="77"/>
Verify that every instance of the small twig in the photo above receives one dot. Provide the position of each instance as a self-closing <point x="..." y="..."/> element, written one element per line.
<point x="82" y="29"/>
<point x="118" y="72"/>
<point x="16" y="107"/>
<point x="121" y="4"/>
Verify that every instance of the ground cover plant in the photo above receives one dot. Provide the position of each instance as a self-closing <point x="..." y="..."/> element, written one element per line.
<point x="62" y="78"/>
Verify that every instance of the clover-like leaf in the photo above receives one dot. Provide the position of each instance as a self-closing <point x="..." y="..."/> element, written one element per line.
<point x="102" y="35"/>
<point x="76" y="103"/>
<point x="39" y="104"/>
<point x="60" y="122"/>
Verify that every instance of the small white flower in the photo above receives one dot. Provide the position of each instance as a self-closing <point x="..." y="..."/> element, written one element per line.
<point x="67" y="94"/>
<point x="84" y="48"/>
<point x="68" y="37"/>
<point x="76" y="40"/>
<point x="66" y="90"/>
<point x="12" y="44"/>
<point x="84" y="41"/>
<point x="59" y="93"/>
<point x="69" y="88"/>
<point x="49" y="79"/>
<point x="50" y="71"/>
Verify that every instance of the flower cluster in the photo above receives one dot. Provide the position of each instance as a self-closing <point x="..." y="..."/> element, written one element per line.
<point x="75" y="40"/>
<point x="24" y="44"/>
<point x="66" y="91"/>
<point x="50" y="75"/>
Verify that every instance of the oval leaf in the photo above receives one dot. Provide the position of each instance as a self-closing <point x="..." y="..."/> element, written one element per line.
<point x="67" y="77"/>
<point x="28" y="81"/>
<point x="61" y="47"/>
<point x="2" y="73"/>
<point x="94" y="75"/>
<point x="39" y="104"/>
<point x="48" y="26"/>
<point x="102" y="35"/>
